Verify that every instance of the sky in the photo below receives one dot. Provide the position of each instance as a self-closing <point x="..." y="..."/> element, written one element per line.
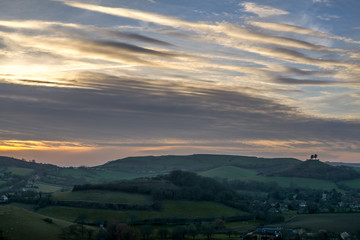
<point x="88" y="81"/>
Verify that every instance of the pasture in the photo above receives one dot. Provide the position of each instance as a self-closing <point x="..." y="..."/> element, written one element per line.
<point x="103" y="196"/>
<point x="229" y="172"/>
<point x="171" y="209"/>
<point x="243" y="174"/>
<point x="20" y="171"/>
<point x="47" y="188"/>
<point x="17" y="222"/>
<point x="354" y="183"/>
<point x="297" y="182"/>
<point x="333" y="222"/>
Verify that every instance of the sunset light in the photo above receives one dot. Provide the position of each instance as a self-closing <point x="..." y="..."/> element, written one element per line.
<point x="122" y="78"/>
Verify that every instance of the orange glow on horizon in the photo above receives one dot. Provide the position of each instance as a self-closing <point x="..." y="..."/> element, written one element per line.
<point x="19" y="145"/>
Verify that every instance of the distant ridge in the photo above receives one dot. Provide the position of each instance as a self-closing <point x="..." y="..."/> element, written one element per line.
<point x="355" y="165"/>
<point x="197" y="163"/>
<point x="14" y="162"/>
<point x="319" y="170"/>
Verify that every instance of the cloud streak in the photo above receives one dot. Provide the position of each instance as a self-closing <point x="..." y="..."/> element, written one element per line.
<point x="262" y="10"/>
<point x="141" y="81"/>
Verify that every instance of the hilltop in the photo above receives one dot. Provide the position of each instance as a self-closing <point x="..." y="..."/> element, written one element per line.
<point x="16" y="223"/>
<point x="196" y="163"/>
<point x="13" y="162"/>
<point x="319" y="170"/>
<point x="231" y="167"/>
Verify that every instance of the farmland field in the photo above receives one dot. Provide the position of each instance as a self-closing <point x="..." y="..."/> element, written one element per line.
<point x="15" y="222"/>
<point x="334" y="222"/>
<point x="106" y="176"/>
<point x="300" y="182"/>
<point x="103" y="196"/>
<point x="230" y="173"/>
<point x="243" y="174"/>
<point x="355" y="183"/>
<point x="99" y="176"/>
<point x="20" y="171"/>
<point x="46" y="187"/>
<point x="185" y="209"/>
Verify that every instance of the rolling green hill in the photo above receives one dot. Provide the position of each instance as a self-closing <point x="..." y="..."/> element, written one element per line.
<point x="103" y="196"/>
<point x="197" y="163"/>
<point x="13" y="162"/>
<point x="281" y="170"/>
<point x="171" y="209"/>
<point x="16" y="223"/>
<point x="229" y="172"/>
<point x="339" y="222"/>
<point x="319" y="170"/>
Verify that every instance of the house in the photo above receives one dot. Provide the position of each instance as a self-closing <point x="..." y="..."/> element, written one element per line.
<point x="3" y="198"/>
<point x="268" y="233"/>
<point x="344" y="236"/>
<point x="302" y="204"/>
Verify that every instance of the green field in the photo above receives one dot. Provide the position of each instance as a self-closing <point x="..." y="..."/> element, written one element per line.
<point x="18" y="224"/>
<point x="243" y="174"/>
<point x="333" y="222"/>
<point x="99" y="176"/>
<point x="299" y="182"/>
<point x="2" y="182"/>
<point x="20" y="171"/>
<point x="171" y="209"/>
<point x="355" y="183"/>
<point x="46" y="187"/>
<point x="107" y="176"/>
<point x="103" y="196"/>
<point x="196" y="162"/>
<point x="230" y="173"/>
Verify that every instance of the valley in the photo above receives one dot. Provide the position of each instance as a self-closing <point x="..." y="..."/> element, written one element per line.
<point x="169" y="192"/>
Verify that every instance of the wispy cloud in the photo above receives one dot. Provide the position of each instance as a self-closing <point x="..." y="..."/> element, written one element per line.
<point x="161" y="83"/>
<point x="299" y="30"/>
<point x="20" y="145"/>
<point x="262" y="10"/>
<point x="321" y="1"/>
<point x="328" y="17"/>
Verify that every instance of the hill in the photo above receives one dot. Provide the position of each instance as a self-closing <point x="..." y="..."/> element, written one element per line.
<point x="16" y="223"/>
<point x="230" y="173"/>
<point x="196" y="163"/>
<point x="6" y="162"/>
<point x="319" y="170"/>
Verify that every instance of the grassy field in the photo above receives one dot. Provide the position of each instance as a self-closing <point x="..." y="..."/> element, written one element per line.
<point x="2" y="182"/>
<point x="355" y="183"/>
<point x="106" y="176"/>
<point x="196" y="162"/>
<point x="300" y="182"/>
<point x="100" y="176"/>
<point x="18" y="224"/>
<point x="20" y="171"/>
<point x="186" y="209"/>
<point x="339" y="222"/>
<point x="46" y="187"/>
<point x="254" y="194"/>
<point x="230" y="173"/>
<point x="103" y="196"/>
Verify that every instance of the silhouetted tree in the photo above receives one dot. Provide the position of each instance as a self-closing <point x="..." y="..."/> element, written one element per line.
<point x="146" y="230"/>
<point x="192" y="230"/>
<point x="163" y="232"/>
<point x="178" y="232"/>
<point x="120" y="231"/>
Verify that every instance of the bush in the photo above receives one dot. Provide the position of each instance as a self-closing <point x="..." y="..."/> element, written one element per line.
<point x="48" y="220"/>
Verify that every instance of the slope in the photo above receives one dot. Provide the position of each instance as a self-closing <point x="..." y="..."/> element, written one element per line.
<point x="319" y="170"/>
<point x="196" y="163"/>
<point x="16" y="223"/>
